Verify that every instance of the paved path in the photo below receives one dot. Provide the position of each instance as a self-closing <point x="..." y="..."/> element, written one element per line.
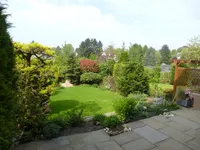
<point x="181" y="132"/>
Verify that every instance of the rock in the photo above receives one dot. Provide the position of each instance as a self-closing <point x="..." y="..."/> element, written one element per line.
<point x="126" y="129"/>
<point x="129" y="129"/>
<point x="97" y="123"/>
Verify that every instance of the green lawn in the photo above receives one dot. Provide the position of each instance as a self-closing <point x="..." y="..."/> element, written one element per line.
<point x="92" y="100"/>
<point x="163" y="86"/>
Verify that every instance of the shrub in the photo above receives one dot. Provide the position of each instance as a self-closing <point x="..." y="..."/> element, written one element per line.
<point x="91" y="78"/>
<point x="125" y="108"/>
<point x="153" y="74"/>
<point x="75" y="117"/>
<point x="156" y="91"/>
<point x="165" y="77"/>
<point x="168" y="94"/>
<point x="73" y="70"/>
<point x="51" y="131"/>
<point x="88" y="65"/>
<point x="111" y="122"/>
<point x="99" y="117"/>
<point x="130" y="78"/>
<point x="109" y="83"/>
<point x="7" y="83"/>
<point x="59" y="119"/>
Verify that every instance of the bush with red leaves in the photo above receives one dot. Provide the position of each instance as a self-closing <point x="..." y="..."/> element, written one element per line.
<point x="88" y="65"/>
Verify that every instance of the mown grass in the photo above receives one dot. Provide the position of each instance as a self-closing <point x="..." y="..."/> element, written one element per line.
<point x="92" y="100"/>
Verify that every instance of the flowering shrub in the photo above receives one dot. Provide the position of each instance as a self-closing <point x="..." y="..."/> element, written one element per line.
<point x="88" y="65"/>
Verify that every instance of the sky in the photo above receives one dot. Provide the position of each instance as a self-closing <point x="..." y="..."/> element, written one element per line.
<point x="146" y="22"/>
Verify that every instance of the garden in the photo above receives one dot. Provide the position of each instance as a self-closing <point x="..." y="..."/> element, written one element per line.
<point x="47" y="91"/>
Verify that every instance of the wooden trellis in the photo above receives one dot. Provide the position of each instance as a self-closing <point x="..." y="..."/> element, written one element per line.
<point x="176" y="63"/>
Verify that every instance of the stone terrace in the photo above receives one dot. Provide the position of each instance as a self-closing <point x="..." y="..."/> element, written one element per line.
<point x="181" y="132"/>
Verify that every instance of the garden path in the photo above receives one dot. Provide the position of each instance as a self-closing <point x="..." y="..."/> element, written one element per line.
<point x="181" y="132"/>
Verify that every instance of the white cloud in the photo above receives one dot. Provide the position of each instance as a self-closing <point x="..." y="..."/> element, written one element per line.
<point x="155" y="22"/>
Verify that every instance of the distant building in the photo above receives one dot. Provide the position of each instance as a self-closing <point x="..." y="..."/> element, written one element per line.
<point x="165" y="67"/>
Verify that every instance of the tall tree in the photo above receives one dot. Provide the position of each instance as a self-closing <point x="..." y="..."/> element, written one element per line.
<point x="34" y="64"/>
<point x="7" y="84"/>
<point x="73" y="71"/>
<point x="149" y="59"/>
<point x="165" y="54"/>
<point x="136" y="53"/>
<point x="88" y="47"/>
<point x="192" y="51"/>
<point x="158" y="57"/>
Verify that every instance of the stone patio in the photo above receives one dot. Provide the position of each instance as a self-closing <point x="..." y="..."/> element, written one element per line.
<point x="181" y="132"/>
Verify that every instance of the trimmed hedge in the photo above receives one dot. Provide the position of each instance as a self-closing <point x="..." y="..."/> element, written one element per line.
<point x="91" y="78"/>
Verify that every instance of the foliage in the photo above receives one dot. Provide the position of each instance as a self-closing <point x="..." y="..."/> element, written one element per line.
<point x="60" y="119"/>
<point x="35" y="83"/>
<point x="165" y="77"/>
<point x="131" y="77"/>
<point x="153" y="74"/>
<point x="125" y="108"/>
<point x="51" y="131"/>
<point x="136" y="53"/>
<point x="156" y="90"/>
<point x="165" y="54"/>
<point x="124" y="57"/>
<point x="109" y="83"/>
<point x="192" y="51"/>
<point x="88" y="47"/>
<point x="88" y="65"/>
<point x="7" y="84"/>
<point x="111" y="122"/>
<point x="106" y="68"/>
<point x="91" y="78"/>
<point x="149" y="58"/>
<point x="75" y="117"/>
<point x="73" y="70"/>
<point x="98" y="118"/>
<point x="168" y="93"/>
<point x="158" y="57"/>
<point x="172" y="74"/>
<point x="61" y="60"/>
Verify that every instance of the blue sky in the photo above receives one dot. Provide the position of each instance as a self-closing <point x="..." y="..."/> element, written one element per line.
<point x="150" y="22"/>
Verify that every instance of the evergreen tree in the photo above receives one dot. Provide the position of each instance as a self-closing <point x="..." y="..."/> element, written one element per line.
<point x="7" y="84"/>
<point x="149" y="59"/>
<point x="136" y="53"/>
<point x="165" y="54"/>
<point x="88" y="47"/>
<point x="73" y="70"/>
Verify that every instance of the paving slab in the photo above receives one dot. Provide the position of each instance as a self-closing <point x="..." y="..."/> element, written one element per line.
<point x="86" y="147"/>
<point x="67" y="147"/>
<point x="135" y="124"/>
<point x="171" y="144"/>
<point x="156" y="148"/>
<point x="175" y="134"/>
<point x="153" y="123"/>
<point x="191" y="132"/>
<point x="185" y="113"/>
<point x="126" y="137"/>
<point x="109" y="145"/>
<point x="140" y="144"/>
<point x="89" y="138"/>
<point x="178" y="126"/>
<point x="195" y="118"/>
<point x="150" y="134"/>
<point x="185" y="122"/>
<point x="161" y="119"/>
<point x="194" y="144"/>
